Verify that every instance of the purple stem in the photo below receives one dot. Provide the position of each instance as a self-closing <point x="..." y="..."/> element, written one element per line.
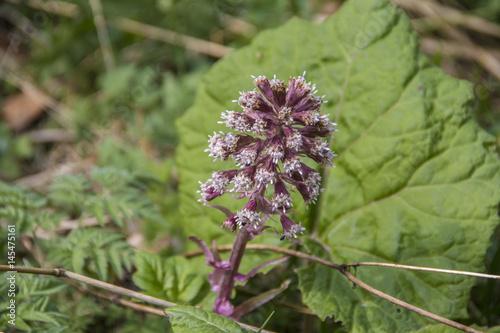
<point x="228" y="279"/>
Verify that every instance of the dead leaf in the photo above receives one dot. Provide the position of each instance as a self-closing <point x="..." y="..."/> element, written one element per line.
<point x="19" y="111"/>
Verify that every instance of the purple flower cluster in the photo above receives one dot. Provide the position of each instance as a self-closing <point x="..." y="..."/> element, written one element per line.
<point x="282" y="125"/>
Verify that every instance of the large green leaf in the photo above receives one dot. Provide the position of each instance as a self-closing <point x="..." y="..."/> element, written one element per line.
<point x="416" y="180"/>
<point x="188" y="319"/>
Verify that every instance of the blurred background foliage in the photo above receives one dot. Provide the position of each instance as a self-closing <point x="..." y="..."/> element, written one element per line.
<point x="89" y="95"/>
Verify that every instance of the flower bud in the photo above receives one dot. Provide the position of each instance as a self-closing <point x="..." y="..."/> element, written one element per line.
<point x="290" y="228"/>
<point x="248" y="215"/>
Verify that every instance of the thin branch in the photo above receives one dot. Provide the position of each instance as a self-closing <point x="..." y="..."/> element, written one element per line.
<point x="62" y="273"/>
<point x="221" y="248"/>
<point x="283" y="304"/>
<point x="117" y="300"/>
<point x="190" y="43"/>
<point x="102" y="34"/>
<point x="407" y="306"/>
<point x="425" y="269"/>
<point x="59" y="272"/>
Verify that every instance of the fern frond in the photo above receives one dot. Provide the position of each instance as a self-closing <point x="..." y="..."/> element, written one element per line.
<point x="23" y="208"/>
<point x="93" y="252"/>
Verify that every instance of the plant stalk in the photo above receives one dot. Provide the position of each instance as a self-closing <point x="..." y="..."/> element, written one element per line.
<point x="235" y="257"/>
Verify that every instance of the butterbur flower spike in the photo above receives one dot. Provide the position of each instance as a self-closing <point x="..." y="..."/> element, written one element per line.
<point x="277" y="128"/>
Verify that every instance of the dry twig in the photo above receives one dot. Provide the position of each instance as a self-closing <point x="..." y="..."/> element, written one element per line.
<point x="51" y="135"/>
<point x="118" y="301"/>
<point x="171" y="37"/>
<point x="65" y="274"/>
<point x="424" y="269"/>
<point x="459" y="44"/>
<point x="489" y="59"/>
<point x="437" y="14"/>
<point x="102" y="34"/>
<point x="39" y="181"/>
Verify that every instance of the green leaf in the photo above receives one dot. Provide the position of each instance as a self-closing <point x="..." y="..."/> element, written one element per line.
<point x="56" y="329"/>
<point x="188" y="319"/>
<point x="23" y="208"/>
<point x="92" y="251"/>
<point x="173" y="279"/>
<point x="441" y="328"/>
<point x="78" y="260"/>
<point x="115" y="260"/>
<point x="34" y="306"/>
<point x="416" y="180"/>
<point x="101" y="261"/>
<point x="69" y="190"/>
<point x="150" y="273"/>
<point x="40" y="316"/>
<point x="437" y="329"/>
<point x="113" y="211"/>
<point x="116" y="83"/>
<point x="96" y="209"/>
<point x="22" y="325"/>
<point x="319" y="285"/>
